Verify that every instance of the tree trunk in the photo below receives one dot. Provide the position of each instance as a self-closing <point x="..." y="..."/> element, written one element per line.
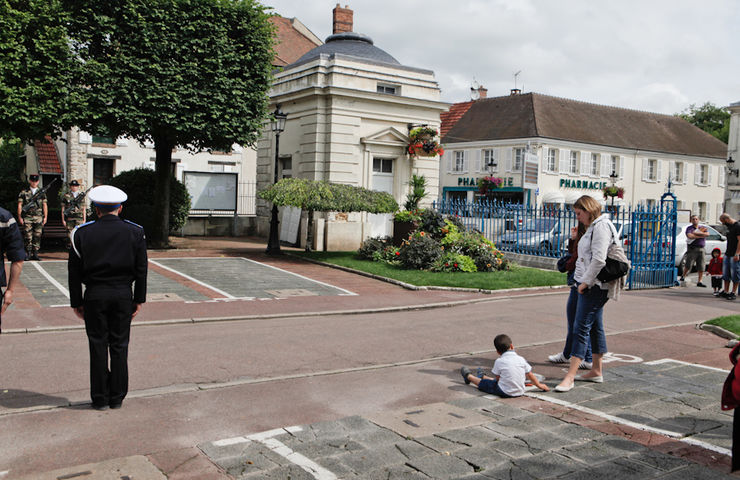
<point x="309" y="231"/>
<point x="159" y="237"/>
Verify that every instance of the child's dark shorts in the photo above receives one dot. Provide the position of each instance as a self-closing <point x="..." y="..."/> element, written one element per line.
<point x="491" y="386"/>
<point x="716" y="282"/>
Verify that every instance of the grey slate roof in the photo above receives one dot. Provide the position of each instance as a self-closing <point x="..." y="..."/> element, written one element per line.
<point x="536" y="115"/>
<point x="351" y="44"/>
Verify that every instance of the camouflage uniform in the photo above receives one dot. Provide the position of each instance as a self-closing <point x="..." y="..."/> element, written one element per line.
<point x="76" y="214"/>
<point x="33" y="220"/>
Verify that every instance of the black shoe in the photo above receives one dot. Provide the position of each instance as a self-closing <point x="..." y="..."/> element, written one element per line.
<point x="699" y="284"/>
<point x="465" y="371"/>
<point x="99" y="407"/>
<point x="35" y="255"/>
<point x="682" y="279"/>
<point x="722" y="294"/>
<point x="115" y="406"/>
<point x="731" y="296"/>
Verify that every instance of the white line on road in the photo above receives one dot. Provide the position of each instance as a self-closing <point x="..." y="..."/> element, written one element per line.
<point x="346" y="292"/>
<point x="622" y="421"/>
<point x="670" y="360"/>
<point x="2" y="474"/>
<point x="51" y="280"/>
<point x="219" y="291"/>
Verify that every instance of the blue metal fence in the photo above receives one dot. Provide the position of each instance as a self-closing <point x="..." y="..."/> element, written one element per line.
<point x="647" y="233"/>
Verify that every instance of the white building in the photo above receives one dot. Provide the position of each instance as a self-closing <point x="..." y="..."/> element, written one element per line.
<point x="350" y="106"/>
<point x="577" y="146"/>
<point x="732" y="196"/>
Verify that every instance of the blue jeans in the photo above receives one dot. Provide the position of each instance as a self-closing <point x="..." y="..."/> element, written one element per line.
<point x="491" y="386"/>
<point x="589" y="326"/>
<point x="570" y="311"/>
<point x="730" y="270"/>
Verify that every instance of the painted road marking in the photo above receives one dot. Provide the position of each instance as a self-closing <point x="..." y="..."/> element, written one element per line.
<point x="267" y="439"/>
<point x="346" y="292"/>
<point x="670" y="360"/>
<point x="220" y="292"/>
<point x="620" y="357"/>
<point x="51" y="279"/>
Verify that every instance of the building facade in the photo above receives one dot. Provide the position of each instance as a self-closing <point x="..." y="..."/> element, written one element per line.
<point x="732" y="194"/>
<point x="349" y="109"/>
<point x="576" y="148"/>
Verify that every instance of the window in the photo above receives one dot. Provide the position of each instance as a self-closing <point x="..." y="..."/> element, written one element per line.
<point x="573" y="166"/>
<point x="703" y="177"/>
<point x="677" y="173"/>
<point x="650" y="203"/>
<point x="102" y="170"/>
<point x="615" y="164"/>
<point x="702" y="211"/>
<point x="488" y="159"/>
<point x="286" y="167"/>
<point x="103" y="140"/>
<point x="551" y="160"/>
<point x="387" y="89"/>
<point x="652" y="173"/>
<point x="383" y="165"/>
<point x="518" y="159"/>
<point x="459" y="165"/>
<point x="594" y="165"/>
<point x="222" y="166"/>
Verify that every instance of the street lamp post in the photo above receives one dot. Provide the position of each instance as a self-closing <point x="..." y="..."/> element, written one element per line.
<point x="277" y="125"/>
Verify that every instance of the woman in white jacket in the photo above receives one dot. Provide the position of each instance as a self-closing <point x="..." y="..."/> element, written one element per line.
<point x="593" y="295"/>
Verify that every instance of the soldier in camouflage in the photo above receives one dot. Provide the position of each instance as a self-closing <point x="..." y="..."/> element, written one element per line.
<point x="34" y="218"/>
<point x="75" y="209"/>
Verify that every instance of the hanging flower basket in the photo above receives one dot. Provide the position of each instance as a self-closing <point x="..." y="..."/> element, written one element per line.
<point x="487" y="185"/>
<point x="613" y="192"/>
<point x="423" y="144"/>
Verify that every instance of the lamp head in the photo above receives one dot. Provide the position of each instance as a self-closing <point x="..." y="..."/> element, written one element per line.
<point x="278" y="123"/>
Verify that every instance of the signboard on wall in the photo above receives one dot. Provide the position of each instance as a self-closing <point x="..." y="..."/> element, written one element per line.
<point x="531" y="171"/>
<point x="211" y="190"/>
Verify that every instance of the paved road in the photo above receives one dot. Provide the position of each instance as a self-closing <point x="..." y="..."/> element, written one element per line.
<point x="195" y="384"/>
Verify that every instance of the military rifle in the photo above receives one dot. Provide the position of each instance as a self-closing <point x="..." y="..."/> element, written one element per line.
<point x="75" y="203"/>
<point x="33" y="201"/>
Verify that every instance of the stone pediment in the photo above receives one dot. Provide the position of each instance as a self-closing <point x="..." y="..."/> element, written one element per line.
<point x="387" y="136"/>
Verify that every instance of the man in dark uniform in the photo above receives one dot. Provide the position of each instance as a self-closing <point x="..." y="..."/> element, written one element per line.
<point x="108" y="255"/>
<point x="11" y="245"/>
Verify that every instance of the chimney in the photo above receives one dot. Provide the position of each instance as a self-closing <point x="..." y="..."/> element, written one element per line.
<point x="482" y="92"/>
<point x="516" y="91"/>
<point x="342" y="19"/>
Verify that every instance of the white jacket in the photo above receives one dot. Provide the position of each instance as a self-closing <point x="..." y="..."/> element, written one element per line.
<point x="592" y="249"/>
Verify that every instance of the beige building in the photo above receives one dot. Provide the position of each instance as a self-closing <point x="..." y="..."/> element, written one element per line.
<point x="732" y="195"/>
<point x="350" y="106"/>
<point x="576" y="147"/>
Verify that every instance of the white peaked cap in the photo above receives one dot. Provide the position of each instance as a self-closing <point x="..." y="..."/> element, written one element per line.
<point x="106" y="195"/>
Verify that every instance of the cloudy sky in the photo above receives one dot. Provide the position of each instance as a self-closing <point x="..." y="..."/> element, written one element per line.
<point x="654" y="55"/>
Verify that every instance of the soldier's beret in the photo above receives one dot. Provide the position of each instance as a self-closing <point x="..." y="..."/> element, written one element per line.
<point x="107" y="196"/>
<point x="33" y="178"/>
<point x="74" y="183"/>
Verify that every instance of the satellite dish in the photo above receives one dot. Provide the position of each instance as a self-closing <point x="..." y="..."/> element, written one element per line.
<point x="474" y="94"/>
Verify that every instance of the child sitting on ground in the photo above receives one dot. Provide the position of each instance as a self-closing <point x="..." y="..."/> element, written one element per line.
<point x="714" y="268"/>
<point x="509" y="372"/>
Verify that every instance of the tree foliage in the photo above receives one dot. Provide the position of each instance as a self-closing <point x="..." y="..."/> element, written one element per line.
<point x="322" y="196"/>
<point x="12" y="162"/>
<point x="188" y="73"/>
<point x="37" y="69"/>
<point x="710" y="118"/>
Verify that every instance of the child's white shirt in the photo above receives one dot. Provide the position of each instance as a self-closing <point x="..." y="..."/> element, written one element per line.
<point x="512" y="370"/>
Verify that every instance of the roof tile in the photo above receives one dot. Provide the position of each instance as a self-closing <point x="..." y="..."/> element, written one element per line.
<point x="47" y="155"/>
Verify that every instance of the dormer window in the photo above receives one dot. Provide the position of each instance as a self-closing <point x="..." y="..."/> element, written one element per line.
<point x="387" y="89"/>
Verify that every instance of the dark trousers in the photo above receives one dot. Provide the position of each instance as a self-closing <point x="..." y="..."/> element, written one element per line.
<point x="736" y="441"/>
<point x="108" y="326"/>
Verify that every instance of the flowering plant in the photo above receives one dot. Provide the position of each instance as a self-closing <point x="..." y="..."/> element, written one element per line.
<point x="613" y="191"/>
<point x="423" y="144"/>
<point x="489" y="183"/>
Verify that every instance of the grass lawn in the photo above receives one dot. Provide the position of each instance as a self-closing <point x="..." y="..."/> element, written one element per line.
<point x="517" y="277"/>
<point x="729" y="322"/>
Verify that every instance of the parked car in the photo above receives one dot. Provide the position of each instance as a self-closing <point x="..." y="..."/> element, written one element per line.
<point x="534" y="235"/>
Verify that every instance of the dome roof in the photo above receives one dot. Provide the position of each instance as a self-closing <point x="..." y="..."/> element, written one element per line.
<point x="352" y="44"/>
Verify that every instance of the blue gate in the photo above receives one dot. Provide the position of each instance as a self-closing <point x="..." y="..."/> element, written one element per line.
<point x="647" y="233"/>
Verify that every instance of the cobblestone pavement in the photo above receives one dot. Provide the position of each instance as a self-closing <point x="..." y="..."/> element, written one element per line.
<point x="595" y="431"/>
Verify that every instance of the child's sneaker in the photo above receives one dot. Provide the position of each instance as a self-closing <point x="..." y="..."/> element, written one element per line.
<point x="465" y="371"/>
<point x="479" y="372"/>
<point x="716" y="293"/>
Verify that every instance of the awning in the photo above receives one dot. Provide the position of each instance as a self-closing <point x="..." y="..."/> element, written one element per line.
<point x="553" y="197"/>
<point x="735" y="196"/>
<point x="571" y="197"/>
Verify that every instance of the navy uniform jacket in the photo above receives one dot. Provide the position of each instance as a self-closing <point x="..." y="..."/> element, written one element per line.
<point x="107" y="255"/>
<point x="11" y="242"/>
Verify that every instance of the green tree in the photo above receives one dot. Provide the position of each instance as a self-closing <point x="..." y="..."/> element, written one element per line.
<point x="12" y="162"/>
<point x="37" y="69"/>
<point x="188" y="73"/>
<point x="710" y="118"/>
<point x="322" y="196"/>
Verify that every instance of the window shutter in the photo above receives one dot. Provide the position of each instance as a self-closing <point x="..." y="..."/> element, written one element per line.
<point x="564" y="159"/>
<point x="449" y="154"/>
<point x="721" y="177"/>
<point x="659" y="170"/>
<point x="645" y="169"/>
<point x="697" y="174"/>
<point x="545" y="159"/>
<point x="466" y="160"/>
<point x="685" y="173"/>
<point x="672" y="171"/>
<point x="709" y="175"/>
<point x="478" y="163"/>
<point x="719" y="211"/>
<point x="695" y="208"/>
<point x="621" y="167"/>
<point x="85" y="137"/>
<point x="585" y="163"/>
<point x="509" y="161"/>
<point x="606" y="165"/>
